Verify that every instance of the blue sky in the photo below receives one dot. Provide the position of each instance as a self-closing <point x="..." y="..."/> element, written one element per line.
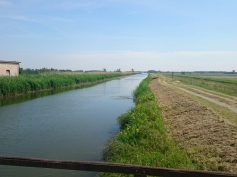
<point x="141" y="34"/>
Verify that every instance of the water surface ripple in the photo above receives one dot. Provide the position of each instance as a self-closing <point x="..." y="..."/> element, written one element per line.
<point x="72" y="125"/>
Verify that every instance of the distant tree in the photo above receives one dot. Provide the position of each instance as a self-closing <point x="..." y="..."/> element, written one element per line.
<point x="29" y="71"/>
<point x="132" y="70"/>
<point x="79" y="71"/>
<point x="42" y="70"/>
<point x="20" y="70"/>
<point x="152" y="71"/>
<point x="233" y="71"/>
<point x="104" y="70"/>
<point x="118" y="70"/>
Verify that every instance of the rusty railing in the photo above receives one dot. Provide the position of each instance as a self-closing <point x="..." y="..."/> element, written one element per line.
<point x="136" y="170"/>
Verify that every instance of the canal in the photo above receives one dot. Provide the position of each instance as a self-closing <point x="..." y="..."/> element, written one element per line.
<point x="71" y="125"/>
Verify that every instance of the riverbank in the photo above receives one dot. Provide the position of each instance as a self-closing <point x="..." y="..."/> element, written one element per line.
<point x="11" y="87"/>
<point x="40" y="93"/>
<point x="143" y="138"/>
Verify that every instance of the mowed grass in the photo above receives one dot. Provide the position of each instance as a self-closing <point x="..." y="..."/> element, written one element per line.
<point x="219" y="84"/>
<point x="11" y="86"/>
<point x="143" y="138"/>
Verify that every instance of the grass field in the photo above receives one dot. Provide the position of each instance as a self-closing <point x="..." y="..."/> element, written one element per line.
<point x="222" y="84"/>
<point x="143" y="138"/>
<point x="12" y="86"/>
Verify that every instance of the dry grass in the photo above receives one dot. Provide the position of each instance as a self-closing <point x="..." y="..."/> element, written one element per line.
<point x="205" y="135"/>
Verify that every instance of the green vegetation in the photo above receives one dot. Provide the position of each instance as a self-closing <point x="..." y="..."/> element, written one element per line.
<point x="224" y="85"/>
<point x="143" y="138"/>
<point x="12" y="86"/>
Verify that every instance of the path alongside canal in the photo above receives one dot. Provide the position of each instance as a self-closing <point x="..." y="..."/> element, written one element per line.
<point x="207" y="137"/>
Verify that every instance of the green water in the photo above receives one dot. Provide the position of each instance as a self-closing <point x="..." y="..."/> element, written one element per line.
<point x="71" y="125"/>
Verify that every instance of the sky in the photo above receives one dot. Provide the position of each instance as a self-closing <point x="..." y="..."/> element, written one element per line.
<point x="167" y="35"/>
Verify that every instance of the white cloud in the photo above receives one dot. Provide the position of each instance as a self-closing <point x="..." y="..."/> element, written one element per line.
<point x="157" y="55"/>
<point x="172" y="61"/>
<point x="19" y="18"/>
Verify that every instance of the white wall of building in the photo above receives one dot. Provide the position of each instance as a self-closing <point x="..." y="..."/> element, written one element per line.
<point x="9" y="69"/>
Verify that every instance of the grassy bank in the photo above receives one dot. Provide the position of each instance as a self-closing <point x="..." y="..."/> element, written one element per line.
<point x="12" y="86"/>
<point x="219" y="84"/>
<point x="143" y="138"/>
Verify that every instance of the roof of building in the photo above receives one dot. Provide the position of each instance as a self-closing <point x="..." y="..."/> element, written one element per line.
<point x="11" y="62"/>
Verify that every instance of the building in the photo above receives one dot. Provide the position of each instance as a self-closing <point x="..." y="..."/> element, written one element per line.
<point x="9" y="68"/>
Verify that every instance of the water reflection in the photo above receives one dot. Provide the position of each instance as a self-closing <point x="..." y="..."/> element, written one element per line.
<point x="73" y="125"/>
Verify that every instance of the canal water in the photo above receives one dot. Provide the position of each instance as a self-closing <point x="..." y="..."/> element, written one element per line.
<point x="72" y="125"/>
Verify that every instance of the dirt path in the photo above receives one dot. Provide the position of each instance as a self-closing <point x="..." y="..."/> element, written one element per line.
<point x="230" y="103"/>
<point x="208" y="139"/>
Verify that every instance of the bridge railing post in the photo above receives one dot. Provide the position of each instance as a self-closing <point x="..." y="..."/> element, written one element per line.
<point x="139" y="175"/>
<point x="106" y="167"/>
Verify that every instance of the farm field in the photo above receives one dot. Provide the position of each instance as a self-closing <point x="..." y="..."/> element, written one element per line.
<point x="222" y="103"/>
<point x="218" y="83"/>
<point x="206" y="130"/>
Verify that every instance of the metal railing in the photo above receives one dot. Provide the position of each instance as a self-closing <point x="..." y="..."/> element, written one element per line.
<point x="136" y="170"/>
